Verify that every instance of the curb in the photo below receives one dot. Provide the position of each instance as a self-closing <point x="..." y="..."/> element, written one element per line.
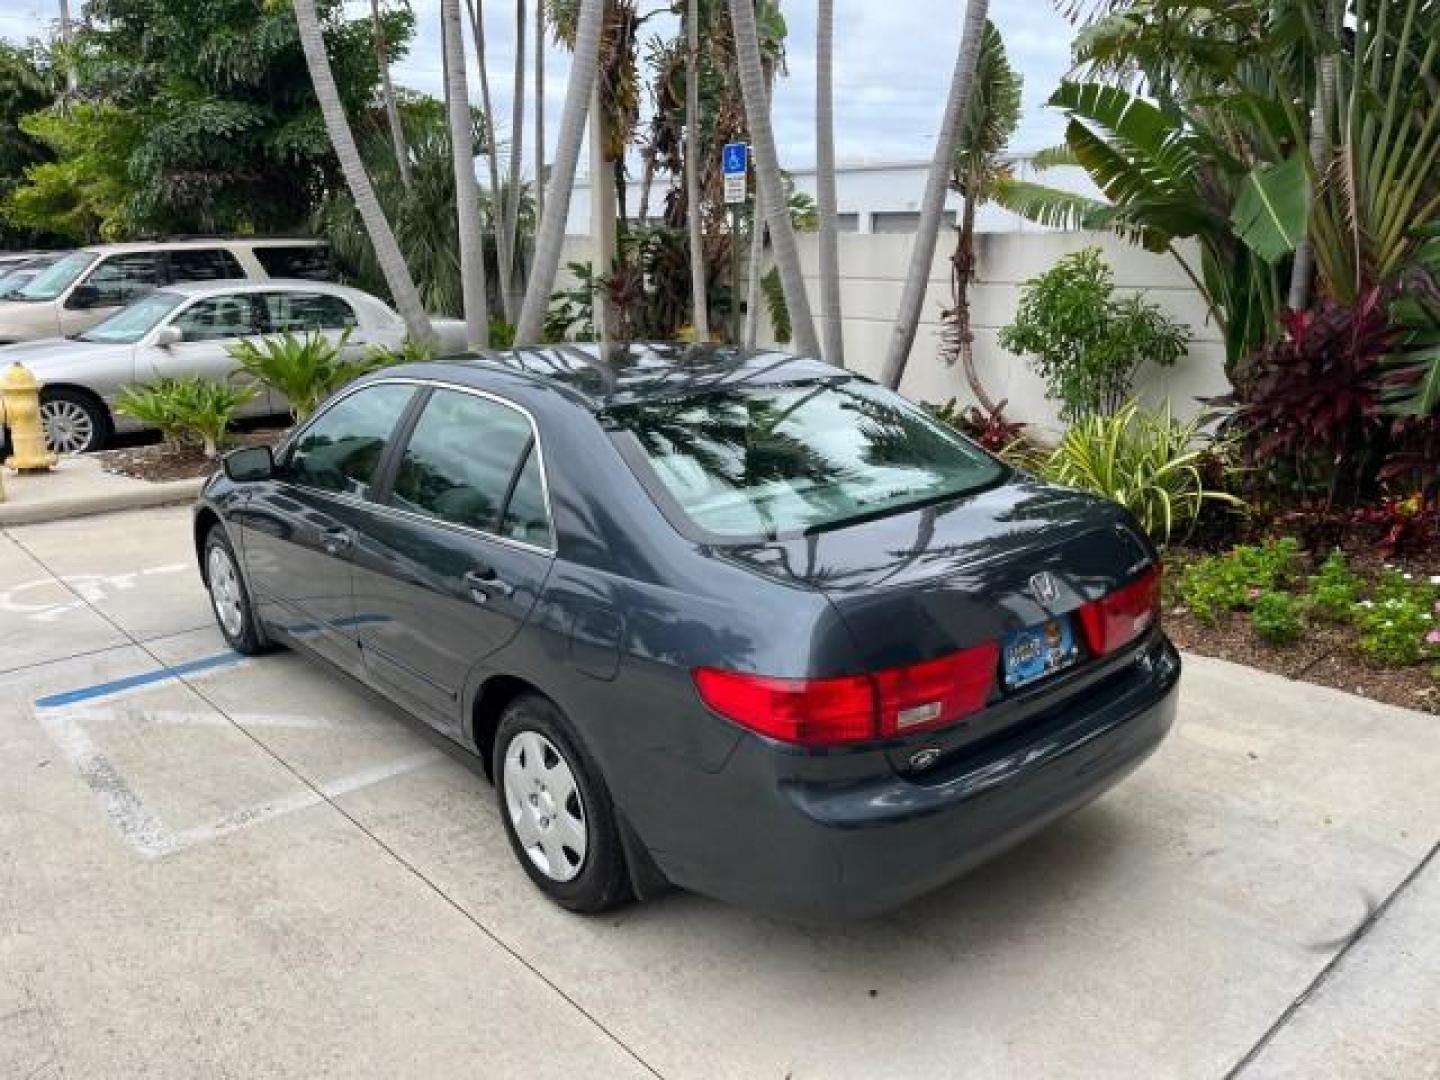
<point x="166" y="493"/>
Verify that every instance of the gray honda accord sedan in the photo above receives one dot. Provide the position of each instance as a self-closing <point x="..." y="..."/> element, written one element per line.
<point x="733" y="621"/>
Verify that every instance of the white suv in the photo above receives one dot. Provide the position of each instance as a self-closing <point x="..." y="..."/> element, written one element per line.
<point x="80" y="289"/>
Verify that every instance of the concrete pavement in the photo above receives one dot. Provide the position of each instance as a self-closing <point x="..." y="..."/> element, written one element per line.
<point x="213" y="867"/>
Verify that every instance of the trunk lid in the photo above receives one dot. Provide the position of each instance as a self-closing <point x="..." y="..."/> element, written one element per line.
<point x="925" y="583"/>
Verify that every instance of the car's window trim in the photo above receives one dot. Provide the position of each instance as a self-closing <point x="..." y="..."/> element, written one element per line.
<point x="389" y="461"/>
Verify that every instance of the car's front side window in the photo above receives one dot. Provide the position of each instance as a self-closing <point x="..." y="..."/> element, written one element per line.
<point x="461" y="462"/>
<point x="220" y="318"/>
<point x="341" y="448"/>
<point x="122" y="278"/>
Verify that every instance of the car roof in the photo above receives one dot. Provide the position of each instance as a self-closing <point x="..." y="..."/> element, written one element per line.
<point x="238" y="285"/>
<point x="643" y="371"/>
<point x="203" y="242"/>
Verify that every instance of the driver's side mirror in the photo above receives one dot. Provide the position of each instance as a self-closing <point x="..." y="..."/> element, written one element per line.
<point x="169" y="335"/>
<point x="83" y="297"/>
<point x="249" y="463"/>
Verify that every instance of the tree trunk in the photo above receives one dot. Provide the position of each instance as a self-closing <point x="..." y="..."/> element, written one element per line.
<point x="932" y="209"/>
<point x="757" y="244"/>
<point x="964" y="274"/>
<point x="539" y="108"/>
<point x="387" y="93"/>
<point x="699" y="304"/>
<point x="387" y="251"/>
<point x="831" y="328"/>
<point x="492" y="150"/>
<point x="467" y="188"/>
<point x="508" y="272"/>
<point x="767" y="174"/>
<point x="1302" y="271"/>
<point x="647" y="180"/>
<point x="603" y="193"/>
<point x="551" y="234"/>
<point x="70" y="81"/>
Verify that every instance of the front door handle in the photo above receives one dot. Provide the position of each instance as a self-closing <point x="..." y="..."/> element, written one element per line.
<point x="338" y="541"/>
<point x="483" y="584"/>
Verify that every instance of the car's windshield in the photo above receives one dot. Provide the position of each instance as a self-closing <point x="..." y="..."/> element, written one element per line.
<point x="56" y="278"/>
<point x="130" y="324"/>
<point x="751" y="462"/>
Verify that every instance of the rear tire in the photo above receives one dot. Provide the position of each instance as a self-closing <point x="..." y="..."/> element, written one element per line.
<point x="557" y="809"/>
<point x="74" y="422"/>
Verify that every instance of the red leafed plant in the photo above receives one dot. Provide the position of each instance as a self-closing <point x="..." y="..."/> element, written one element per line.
<point x="1310" y="412"/>
<point x="989" y="427"/>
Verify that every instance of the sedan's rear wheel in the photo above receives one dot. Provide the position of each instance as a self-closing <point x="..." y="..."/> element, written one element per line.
<point x="74" y="423"/>
<point x="557" y="810"/>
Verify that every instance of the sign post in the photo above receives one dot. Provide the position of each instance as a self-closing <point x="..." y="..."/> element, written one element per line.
<point x="735" y="165"/>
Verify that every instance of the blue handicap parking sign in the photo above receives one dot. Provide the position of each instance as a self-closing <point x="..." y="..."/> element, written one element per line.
<point x="734" y="160"/>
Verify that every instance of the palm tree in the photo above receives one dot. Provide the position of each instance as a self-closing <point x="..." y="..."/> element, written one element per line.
<point x="757" y="241"/>
<point x="70" y="81"/>
<point x="539" y="106"/>
<point x="551" y="234"/>
<point x="700" y="307"/>
<point x="510" y="272"/>
<point x="767" y="174"/>
<point x="387" y="251"/>
<point x="467" y="189"/>
<point x="933" y="205"/>
<point x="387" y="94"/>
<point x="979" y="169"/>
<point x="476" y="11"/>
<point x="833" y="339"/>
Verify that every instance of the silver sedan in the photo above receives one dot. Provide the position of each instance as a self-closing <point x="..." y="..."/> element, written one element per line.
<point x="188" y="329"/>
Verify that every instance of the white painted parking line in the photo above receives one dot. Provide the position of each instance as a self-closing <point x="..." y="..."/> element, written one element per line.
<point x="89" y="588"/>
<point x="68" y="717"/>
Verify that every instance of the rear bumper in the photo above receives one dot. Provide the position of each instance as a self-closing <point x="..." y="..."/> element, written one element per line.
<point x="839" y="849"/>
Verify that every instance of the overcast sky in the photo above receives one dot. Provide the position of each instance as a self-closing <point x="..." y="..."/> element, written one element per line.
<point x="894" y="59"/>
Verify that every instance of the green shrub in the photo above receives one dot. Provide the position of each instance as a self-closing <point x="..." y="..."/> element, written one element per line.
<point x="1335" y="589"/>
<point x="1150" y="463"/>
<point x="1216" y="584"/>
<point x="1398" y="626"/>
<point x="1082" y="341"/>
<point x="306" y="370"/>
<point x="187" y="408"/>
<point x="410" y="351"/>
<point x="1277" y="618"/>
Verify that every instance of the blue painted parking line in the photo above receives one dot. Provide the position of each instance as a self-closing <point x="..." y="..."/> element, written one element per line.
<point x="86" y="693"/>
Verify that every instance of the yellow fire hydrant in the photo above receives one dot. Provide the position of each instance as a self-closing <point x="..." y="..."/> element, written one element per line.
<point x="20" y="412"/>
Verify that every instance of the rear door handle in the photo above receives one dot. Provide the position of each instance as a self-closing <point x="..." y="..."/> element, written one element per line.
<point x="483" y="584"/>
<point x="338" y="541"/>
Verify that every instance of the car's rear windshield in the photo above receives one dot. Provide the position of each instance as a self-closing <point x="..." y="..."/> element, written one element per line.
<point x="745" y="463"/>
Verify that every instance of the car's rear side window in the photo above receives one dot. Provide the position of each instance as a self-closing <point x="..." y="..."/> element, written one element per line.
<point x="306" y="312"/>
<point x="460" y="463"/>
<point x="339" y="451"/>
<point x="526" y="516"/>
<point x="308" y="261"/>
<point x="203" y="264"/>
<point x="750" y="462"/>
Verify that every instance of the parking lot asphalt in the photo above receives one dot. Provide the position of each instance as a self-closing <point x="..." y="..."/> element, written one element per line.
<point x="219" y="867"/>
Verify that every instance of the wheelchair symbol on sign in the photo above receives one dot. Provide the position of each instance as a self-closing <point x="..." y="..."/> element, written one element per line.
<point x="735" y="158"/>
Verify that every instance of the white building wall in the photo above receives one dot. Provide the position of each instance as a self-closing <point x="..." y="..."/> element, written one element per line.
<point x="872" y="271"/>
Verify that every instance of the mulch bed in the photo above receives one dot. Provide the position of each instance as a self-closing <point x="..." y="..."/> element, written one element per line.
<point x="171" y="461"/>
<point x="1324" y="655"/>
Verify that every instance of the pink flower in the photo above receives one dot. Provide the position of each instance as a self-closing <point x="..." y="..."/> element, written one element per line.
<point x="1433" y="637"/>
<point x="1254" y="593"/>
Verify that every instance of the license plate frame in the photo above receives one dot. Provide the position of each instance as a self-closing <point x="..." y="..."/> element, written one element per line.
<point x="1036" y="652"/>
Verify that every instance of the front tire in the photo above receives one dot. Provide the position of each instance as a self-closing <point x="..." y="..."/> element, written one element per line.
<point x="557" y="809"/>
<point x="229" y="599"/>
<point x="74" y="422"/>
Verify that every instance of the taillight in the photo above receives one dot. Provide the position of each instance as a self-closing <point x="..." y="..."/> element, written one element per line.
<point x="1119" y="618"/>
<point x="854" y="708"/>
